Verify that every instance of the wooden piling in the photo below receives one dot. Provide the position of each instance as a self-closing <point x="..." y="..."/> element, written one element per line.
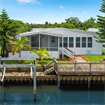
<point x="88" y="82"/>
<point x="58" y="81"/>
<point x="34" y="83"/>
<point x="31" y="73"/>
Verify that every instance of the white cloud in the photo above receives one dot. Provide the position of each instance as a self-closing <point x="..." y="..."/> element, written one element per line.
<point x="84" y="12"/>
<point x="67" y="14"/>
<point x="61" y="7"/>
<point x="70" y="12"/>
<point x="28" y="1"/>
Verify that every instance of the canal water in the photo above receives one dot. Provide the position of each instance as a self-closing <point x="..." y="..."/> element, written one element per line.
<point x="49" y="95"/>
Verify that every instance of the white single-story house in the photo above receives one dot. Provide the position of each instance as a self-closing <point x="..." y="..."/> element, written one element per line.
<point x="78" y="41"/>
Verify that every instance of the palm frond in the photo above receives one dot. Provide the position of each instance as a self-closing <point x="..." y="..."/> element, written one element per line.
<point x="24" y="39"/>
<point x="15" y="49"/>
<point x="26" y="46"/>
<point x="33" y="51"/>
<point x="41" y="53"/>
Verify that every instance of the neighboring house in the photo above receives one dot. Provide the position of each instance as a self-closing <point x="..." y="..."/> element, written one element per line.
<point x="78" y="41"/>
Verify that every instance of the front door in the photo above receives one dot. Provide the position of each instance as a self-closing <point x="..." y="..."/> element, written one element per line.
<point x="53" y="42"/>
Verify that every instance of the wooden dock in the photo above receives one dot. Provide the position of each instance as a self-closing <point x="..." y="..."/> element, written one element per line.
<point x="54" y="71"/>
<point x="83" y="68"/>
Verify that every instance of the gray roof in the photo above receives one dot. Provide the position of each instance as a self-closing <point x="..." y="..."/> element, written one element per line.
<point x="53" y="31"/>
<point x="93" y="30"/>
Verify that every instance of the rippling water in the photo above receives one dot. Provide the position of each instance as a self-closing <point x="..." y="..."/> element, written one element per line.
<point x="49" y="95"/>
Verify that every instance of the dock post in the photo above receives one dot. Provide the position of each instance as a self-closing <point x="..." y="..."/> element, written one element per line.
<point x="2" y="73"/>
<point x="0" y="59"/>
<point x="58" y="81"/>
<point x="88" y="82"/>
<point x="31" y="76"/>
<point x="34" y="83"/>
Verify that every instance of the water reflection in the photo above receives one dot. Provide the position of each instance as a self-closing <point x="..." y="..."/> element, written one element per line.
<point x="49" y="95"/>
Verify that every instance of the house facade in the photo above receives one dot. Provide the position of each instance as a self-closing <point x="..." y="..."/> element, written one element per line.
<point x="78" y="41"/>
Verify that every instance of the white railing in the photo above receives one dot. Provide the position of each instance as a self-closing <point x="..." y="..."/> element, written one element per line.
<point x="48" y="48"/>
<point x="68" y="52"/>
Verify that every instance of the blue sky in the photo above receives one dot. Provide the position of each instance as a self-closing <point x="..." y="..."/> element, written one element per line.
<point x="39" y="11"/>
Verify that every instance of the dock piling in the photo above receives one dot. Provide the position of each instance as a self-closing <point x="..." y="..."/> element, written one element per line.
<point x="88" y="82"/>
<point x="34" y="83"/>
<point x="58" y="81"/>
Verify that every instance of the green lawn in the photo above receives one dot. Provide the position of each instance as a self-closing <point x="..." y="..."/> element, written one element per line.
<point x="95" y="58"/>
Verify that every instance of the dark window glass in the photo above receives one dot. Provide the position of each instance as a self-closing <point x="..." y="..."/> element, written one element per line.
<point x="60" y="42"/>
<point x="71" y="42"/>
<point x="83" y="41"/>
<point x="65" y="42"/>
<point x="89" y="41"/>
<point x="77" y="41"/>
<point x="34" y="41"/>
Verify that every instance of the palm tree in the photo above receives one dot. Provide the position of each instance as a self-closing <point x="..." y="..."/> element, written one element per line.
<point x="42" y="52"/>
<point x="21" y="44"/>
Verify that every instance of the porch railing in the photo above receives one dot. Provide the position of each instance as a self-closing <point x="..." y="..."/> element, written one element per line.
<point x="48" y="48"/>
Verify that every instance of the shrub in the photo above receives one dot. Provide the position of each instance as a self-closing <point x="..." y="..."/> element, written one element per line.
<point x="64" y="59"/>
<point x="58" y="59"/>
<point x="69" y="59"/>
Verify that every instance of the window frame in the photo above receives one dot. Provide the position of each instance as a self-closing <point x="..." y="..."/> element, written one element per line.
<point x="36" y="41"/>
<point x="84" y="42"/>
<point x="71" y="42"/>
<point x="60" y="42"/>
<point x="90" y="42"/>
<point x="65" y="42"/>
<point x="78" y="42"/>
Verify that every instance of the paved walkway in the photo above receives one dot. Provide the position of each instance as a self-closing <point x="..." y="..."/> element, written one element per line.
<point x="79" y="59"/>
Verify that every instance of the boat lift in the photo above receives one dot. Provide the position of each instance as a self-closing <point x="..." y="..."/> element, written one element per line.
<point x="31" y="66"/>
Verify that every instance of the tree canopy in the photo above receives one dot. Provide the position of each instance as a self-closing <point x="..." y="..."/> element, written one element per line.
<point x="9" y="28"/>
<point x="101" y="23"/>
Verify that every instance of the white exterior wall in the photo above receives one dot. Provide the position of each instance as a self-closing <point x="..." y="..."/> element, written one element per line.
<point x="96" y="47"/>
<point x="53" y="54"/>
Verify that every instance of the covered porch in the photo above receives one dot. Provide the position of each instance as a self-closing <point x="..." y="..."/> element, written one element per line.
<point x="51" y="43"/>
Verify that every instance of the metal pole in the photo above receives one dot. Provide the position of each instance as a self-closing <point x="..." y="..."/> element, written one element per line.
<point x="34" y="82"/>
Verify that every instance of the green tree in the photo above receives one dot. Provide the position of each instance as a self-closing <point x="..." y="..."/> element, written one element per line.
<point x="8" y="30"/>
<point x="21" y="44"/>
<point x="101" y="23"/>
<point x="42" y="52"/>
<point x="73" y="20"/>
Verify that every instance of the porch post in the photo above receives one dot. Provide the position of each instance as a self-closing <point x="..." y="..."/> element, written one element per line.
<point x="48" y="43"/>
<point x="62" y="47"/>
<point x="68" y="41"/>
<point x="39" y="40"/>
<point x="58" y="44"/>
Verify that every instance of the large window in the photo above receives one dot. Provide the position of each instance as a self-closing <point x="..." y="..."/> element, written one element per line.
<point x="77" y="41"/>
<point x="71" y="42"/>
<point x="60" y="42"/>
<point x="65" y="42"/>
<point x="89" y="41"/>
<point x="34" y="41"/>
<point x="83" y="41"/>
